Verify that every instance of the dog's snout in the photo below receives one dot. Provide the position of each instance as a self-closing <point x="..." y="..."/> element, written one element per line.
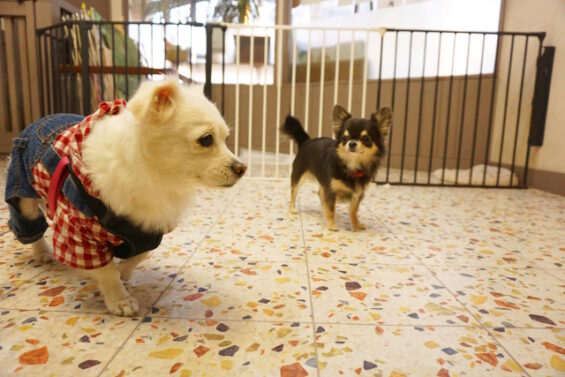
<point x="352" y="145"/>
<point x="238" y="168"/>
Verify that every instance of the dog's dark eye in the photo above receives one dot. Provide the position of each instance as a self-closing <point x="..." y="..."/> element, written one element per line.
<point x="206" y="140"/>
<point x="344" y="139"/>
<point x="365" y="140"/>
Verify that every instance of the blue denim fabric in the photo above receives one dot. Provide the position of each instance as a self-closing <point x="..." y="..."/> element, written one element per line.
<point x="32" y="145"/>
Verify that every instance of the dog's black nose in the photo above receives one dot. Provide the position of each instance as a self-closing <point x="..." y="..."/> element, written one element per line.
<point x="238" y="168"/>
<point x="352" y="145"/>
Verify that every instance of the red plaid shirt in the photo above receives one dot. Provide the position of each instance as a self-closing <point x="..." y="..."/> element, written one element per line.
<point x="78" y="241"/>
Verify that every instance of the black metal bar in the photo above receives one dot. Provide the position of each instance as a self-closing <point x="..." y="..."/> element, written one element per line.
<point x="406" y="109"/>
<point x="101" y="63"/>
<point x="477" y="107"/>
<point x="60" y="61"/>
<point x="462" y="125"/>
<point x="199" y="24"/>
<point x="505" y="111"/>
<point x="420" y="111"/>
<point x="448" y="110"/>
<point x="113" y="63"/>
<point x="84" y="28"/>
<point x="519" y="111"/>
<point x="126" y="23"/>
<point x="48" y="76"/>
<point x="491" y="111"/>
<point x="208" y="81"/>
<point x="53" y="53"/>
<point x="40" y="71"/>
<point x="392" y="105"/>
<point x="66" y="63"/>
<point x="544" y="70"/>
<point x="435" y="110"/>
<point x="380" y="72"/>
<point x="447" y="186"/>
<point x="223" y="69"/>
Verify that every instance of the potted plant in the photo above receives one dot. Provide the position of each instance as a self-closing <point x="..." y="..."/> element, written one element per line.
<point x="237" y="11"/>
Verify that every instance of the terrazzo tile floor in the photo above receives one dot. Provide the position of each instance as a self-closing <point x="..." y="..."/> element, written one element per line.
<point x="444" y="282"/>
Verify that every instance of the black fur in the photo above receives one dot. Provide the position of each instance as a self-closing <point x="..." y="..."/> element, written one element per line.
<point x="293" y="128"/>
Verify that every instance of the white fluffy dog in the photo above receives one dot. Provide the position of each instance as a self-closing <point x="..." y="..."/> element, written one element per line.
<point x="144" y="164"/>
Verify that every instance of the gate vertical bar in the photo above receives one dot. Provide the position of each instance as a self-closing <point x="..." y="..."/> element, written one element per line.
<point x="435" y="110"/>
<point x="420" y="109"/>
<point x="85" y="66"/>
<point x="208" y="67"/>
<point x="477" y="108"/>
<point x="462" y="124"/>
<point x="519" y="112"/>
<point x="505" y="111"/>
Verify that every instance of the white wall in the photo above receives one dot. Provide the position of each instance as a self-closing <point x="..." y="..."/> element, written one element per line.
<point x="459" y="15"/>
<point x="548" y="16"/>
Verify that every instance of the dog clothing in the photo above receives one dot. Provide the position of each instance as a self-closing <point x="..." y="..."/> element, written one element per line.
<point x="86" y="233"/>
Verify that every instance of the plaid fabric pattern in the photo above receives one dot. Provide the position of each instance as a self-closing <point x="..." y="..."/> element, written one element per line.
<point x="78" y="241"/>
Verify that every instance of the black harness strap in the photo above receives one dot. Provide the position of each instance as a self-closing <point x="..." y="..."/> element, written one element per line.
<point x="135" y="240"/>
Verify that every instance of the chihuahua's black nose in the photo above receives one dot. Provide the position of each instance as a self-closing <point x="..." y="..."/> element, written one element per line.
<point x="352" y="145"/>
<point x="238" y="168"/>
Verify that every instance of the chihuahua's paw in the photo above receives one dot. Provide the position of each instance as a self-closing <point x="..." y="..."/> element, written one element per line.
<point x="332" y="227"/>
<point x="293" y="211"/>
<point x="358" y="227"/>
<point x="125" y="307"/>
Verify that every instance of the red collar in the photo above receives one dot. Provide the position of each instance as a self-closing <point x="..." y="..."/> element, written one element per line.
<point x="357" y="174"/>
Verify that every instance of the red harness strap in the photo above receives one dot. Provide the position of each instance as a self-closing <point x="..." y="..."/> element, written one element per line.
<point x="56" y="184"/>
<point x="356" y="174"/>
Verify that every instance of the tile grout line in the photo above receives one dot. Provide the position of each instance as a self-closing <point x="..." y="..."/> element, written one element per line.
<point x="121" y="347"/>
<point x="238" y="320"/>
<point x="310" y="296"/>
<point x="481" y="325"/>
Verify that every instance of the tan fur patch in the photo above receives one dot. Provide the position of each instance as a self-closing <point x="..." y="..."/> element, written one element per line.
<point x="340" y="188"/>
<point x="356" y="160"/>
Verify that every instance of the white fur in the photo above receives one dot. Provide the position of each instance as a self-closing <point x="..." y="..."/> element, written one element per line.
<point x="145" y="163"/>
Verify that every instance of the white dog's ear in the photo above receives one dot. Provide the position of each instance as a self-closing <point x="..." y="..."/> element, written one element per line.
<point x="154" y="102"/>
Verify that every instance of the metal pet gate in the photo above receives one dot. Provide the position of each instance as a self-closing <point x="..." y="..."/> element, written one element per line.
<point x="465" y="113"/>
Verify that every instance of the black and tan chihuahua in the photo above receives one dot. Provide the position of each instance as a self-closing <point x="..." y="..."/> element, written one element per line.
<point x="343" y="166"/>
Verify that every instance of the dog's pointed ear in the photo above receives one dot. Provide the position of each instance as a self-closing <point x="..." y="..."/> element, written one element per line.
<point x="340" y="115"/>
<point x="383" y="119"/>
<point x="154" y="102"/>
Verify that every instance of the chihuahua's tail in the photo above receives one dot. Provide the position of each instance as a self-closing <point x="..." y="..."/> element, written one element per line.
<point x="293" y="128"/>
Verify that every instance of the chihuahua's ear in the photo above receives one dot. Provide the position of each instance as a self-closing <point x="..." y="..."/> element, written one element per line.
<point x="383" y="119"/>
<point x="154" y="102"/>
<point x="340" y="115"/>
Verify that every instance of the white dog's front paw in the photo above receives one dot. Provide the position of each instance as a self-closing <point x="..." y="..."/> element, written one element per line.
<point x="126" y="307"/>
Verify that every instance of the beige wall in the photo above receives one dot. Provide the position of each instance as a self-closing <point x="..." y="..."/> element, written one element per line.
<point x="548" y="16"/>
